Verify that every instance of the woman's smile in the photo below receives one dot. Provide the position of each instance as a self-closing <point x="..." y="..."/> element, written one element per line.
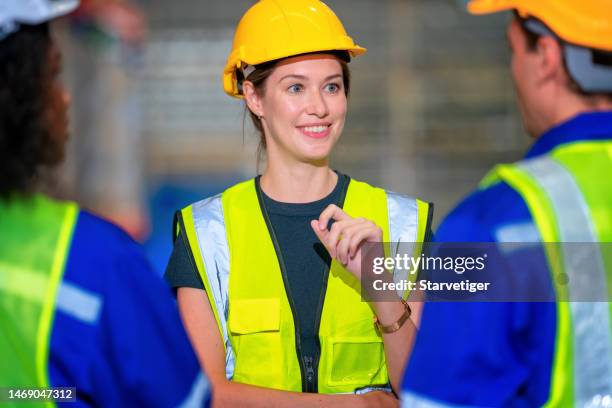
<point x="316" y="131"/>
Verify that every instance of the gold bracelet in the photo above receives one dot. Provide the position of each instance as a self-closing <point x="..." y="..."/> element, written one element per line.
<point x="393" y="327"/>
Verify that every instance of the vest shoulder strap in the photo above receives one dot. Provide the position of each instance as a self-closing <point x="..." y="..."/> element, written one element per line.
<point x="204" y="226"/>
<point x="407" y="221"/>
<point x="409" y="218"/>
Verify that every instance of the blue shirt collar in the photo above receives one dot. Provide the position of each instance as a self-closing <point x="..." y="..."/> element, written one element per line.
<point x="585" y="126"/>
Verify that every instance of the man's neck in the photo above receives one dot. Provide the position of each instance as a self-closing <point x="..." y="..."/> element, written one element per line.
<point x="575" y="106"/>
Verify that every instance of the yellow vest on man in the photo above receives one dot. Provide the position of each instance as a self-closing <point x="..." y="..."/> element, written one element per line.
<point x="238" y="258"/>
<point x="570" y="203"/>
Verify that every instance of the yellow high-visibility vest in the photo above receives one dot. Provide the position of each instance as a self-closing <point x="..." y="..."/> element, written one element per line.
<point x="35" y="236"/>
<point x="240" y="263"/>
<point x="570" y="200"/>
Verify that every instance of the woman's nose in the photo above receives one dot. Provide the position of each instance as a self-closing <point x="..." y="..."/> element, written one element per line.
<point x="317" y="105"/>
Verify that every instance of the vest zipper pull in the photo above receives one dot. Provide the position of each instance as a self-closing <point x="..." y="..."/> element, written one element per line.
<point x="309" y="373"/>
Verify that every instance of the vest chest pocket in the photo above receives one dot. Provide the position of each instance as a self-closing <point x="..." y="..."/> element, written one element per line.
<point x="254" y="326"/>
<point x="254" y="316"/>
<point x="356" y="361"/>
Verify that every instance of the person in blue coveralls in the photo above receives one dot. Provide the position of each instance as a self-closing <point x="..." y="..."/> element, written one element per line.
<point x="536" y="353"/>
<point x="79" y="305"/>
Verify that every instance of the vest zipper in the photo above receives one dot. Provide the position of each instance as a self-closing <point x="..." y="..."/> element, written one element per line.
<point x="281" y="262"/>
<point x="317" y="356"/>
<point x="311" y="384"/>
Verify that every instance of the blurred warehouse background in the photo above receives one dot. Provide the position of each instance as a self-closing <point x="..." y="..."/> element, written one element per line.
<point x="431" y="107"/>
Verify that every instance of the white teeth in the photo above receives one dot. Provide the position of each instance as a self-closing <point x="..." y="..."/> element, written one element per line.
<point x="315" y="129"/>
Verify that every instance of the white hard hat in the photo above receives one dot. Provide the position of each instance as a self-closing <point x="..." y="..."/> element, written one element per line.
<point x="32" y="12"/>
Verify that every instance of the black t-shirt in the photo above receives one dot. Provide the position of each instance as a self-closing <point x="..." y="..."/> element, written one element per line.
<point x="306" y="260"/>
<point x="181" y="271"/>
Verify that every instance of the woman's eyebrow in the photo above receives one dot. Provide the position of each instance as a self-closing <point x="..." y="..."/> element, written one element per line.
<point x="302" y="77"/>
<point x="305" y="78"/>
<point x="334" y="76"/>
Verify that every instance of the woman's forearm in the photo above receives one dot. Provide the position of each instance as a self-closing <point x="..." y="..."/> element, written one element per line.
<point x="232" y="394"/>
<point x="398" y="344"/>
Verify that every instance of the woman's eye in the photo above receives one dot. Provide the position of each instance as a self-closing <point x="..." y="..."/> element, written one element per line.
<point x="295" y="88"/>
<point x="332" y="88"/>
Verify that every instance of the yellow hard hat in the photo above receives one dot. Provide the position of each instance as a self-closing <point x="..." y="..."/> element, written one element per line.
<point x="274" y="29"/>
<point x="587" y="23"/>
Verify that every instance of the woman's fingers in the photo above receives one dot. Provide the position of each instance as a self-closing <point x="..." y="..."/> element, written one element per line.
<point x="351" y="243"/>
<point x="320" y="233"/>
<point x="334" y="212"/>
<point x="348" y="234"/>
<point x="337" y="234"/>
<point x="330" y="237"/>
<point x="369" y="232"/>
<point x="346" y="237"/>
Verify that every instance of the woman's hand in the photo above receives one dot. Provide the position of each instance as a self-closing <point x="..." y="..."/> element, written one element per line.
<point x="380" y="399"/>
<point x="344" y="241"/>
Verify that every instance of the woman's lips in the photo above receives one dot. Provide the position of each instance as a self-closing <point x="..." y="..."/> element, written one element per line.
<point x="316" y="131"/>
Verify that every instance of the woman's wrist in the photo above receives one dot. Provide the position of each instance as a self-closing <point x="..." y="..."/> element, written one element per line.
<point x="388" y="312"/>
<point x="396" y="324"/>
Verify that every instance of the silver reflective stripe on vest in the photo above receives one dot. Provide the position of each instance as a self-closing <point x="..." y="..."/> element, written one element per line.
<point x="198" y="393"/>
<point x="403" y="229"/>
<point x="78" y="303"/>
<point x="28" y="284"/>
<point x="412" y="400"/>
<point x="584" y="266"/>
<point x="32" y="286"/>
<point x="520" y="232"/>
<point x="210" y="230"/>
<point x="366" y="390"/>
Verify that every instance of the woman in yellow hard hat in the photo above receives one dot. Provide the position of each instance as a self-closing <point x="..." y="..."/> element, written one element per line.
<point x="268" y="272"/>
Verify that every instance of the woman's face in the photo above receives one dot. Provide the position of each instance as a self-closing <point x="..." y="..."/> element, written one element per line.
<point x="303" y="108"/>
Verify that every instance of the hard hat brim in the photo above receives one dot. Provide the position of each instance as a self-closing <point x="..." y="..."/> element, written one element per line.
<point x="229" y="73"/>
<point x="591" y="28"/>
<point x="479" y="7"/>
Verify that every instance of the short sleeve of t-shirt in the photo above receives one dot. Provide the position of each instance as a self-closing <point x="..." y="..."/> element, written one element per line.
<point x="181" y="270"/>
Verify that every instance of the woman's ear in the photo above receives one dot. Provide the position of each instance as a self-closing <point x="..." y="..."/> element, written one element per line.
<point x="252" y="98"/>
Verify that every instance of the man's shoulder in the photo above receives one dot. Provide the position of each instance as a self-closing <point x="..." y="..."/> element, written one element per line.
<point x="101" y="233"/>
<point x="482" y="214"/>
<point x="98" y="243"/>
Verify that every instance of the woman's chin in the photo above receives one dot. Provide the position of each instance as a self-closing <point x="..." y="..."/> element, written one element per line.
<point x="316" y="152"/>
<point x="317" y="156"/>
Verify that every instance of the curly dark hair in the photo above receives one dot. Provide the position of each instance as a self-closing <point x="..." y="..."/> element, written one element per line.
<point x="26" y="144"/>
